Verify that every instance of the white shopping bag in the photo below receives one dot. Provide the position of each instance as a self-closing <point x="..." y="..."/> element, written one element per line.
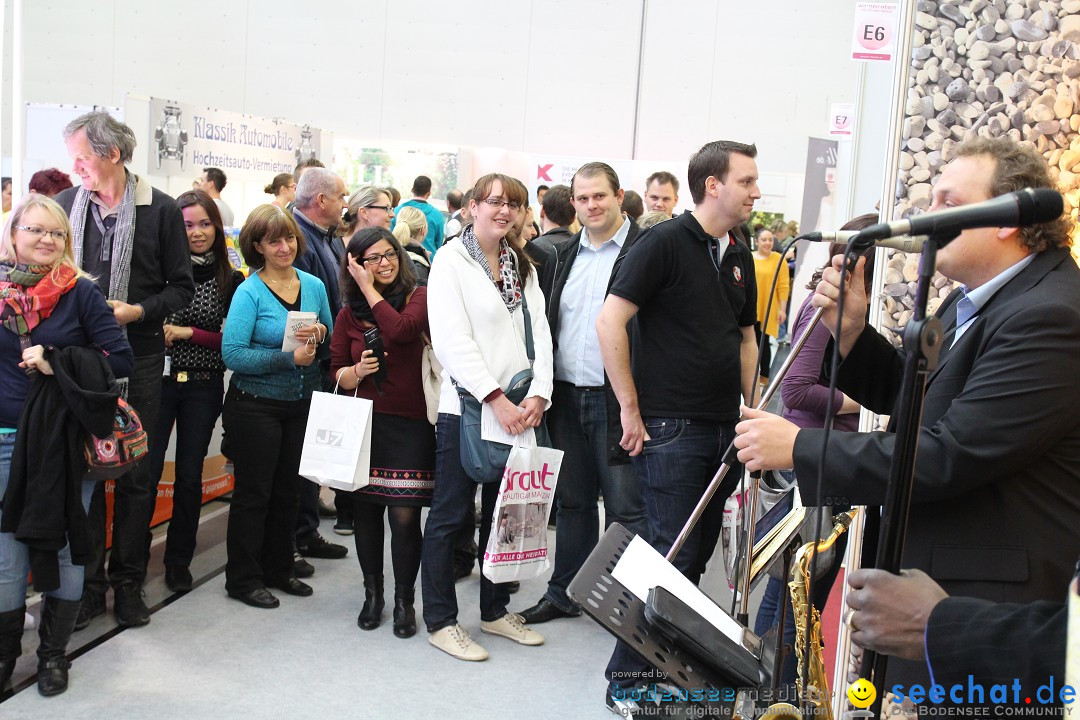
<point x="337" y="442"/>
<point x="517" y="547"/>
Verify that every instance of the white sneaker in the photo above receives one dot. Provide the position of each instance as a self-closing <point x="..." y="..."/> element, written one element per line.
<point x="455" y="640"/>
<point x="512" y="627"/>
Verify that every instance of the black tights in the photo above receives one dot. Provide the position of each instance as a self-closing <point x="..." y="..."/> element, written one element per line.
<point x="406" y="539"/>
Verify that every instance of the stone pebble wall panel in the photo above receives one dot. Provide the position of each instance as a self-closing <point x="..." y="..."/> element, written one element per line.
<point x="984" y="68"/>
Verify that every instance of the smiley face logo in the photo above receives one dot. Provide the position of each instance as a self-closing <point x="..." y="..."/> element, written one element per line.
<point x="861" y="693"/>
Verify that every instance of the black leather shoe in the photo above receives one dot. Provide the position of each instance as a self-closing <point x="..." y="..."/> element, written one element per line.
<point x="91" y="606"/>
<point x="258" y="598"/>
<point x="178" y="578"/>
<point x="545" y="611"/>
<point x="129" y="607"/>
<point x="320" y="547"/>
<point x="291" y="586"/>
<point x="301" y="568"/>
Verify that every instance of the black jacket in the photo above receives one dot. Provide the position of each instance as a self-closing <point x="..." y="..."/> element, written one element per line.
<point x="43" y="502"/>
<point x="996" y="502"/>
<point x="552" y="281"/>
<point x="160" y="267"/>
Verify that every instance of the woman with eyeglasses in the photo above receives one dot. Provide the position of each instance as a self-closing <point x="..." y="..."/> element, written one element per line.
<point x="283" y="188"/>
<point x="381" y="293"/>
<point x="193" y="388"/>
<point x="266" y="406"/>
<point x="480" y="291"/>
<point x="46" y="304"/>
<point x="368" y="207"/>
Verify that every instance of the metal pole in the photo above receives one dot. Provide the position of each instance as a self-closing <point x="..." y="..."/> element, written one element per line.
<point x="637" y="88"/>
<point x="729" y="455"/>
<point x="18" y="105"/>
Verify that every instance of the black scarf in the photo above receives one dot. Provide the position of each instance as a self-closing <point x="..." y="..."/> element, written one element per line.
<point x="395" y="295"/>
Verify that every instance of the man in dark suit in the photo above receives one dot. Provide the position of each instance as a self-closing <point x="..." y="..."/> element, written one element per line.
<point x="996" y="501"/>
<point x="911" y="616"/>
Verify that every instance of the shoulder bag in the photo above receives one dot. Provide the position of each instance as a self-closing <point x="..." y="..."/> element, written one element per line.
<point x="484" y="460"/>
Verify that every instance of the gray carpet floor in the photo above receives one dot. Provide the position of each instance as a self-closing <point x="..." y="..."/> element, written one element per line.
<point x="206" y="656"/>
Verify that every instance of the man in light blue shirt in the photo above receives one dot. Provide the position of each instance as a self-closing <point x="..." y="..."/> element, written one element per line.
<point x="581" y="421"/>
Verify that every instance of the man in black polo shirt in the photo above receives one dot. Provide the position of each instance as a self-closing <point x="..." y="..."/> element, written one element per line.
<point x="690" y="285"/>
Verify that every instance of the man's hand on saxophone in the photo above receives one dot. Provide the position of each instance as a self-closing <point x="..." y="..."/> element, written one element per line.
<point x="888" y="613"/>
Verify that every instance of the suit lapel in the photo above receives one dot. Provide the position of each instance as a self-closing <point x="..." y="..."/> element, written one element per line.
<point x="1030" y="276"/>
<point x="947" y="316"/>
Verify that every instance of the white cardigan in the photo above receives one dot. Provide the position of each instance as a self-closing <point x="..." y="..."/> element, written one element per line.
<point x="478" y="342"/>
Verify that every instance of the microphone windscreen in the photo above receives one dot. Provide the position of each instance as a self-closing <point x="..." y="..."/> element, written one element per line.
<point x="1039" y="205"/>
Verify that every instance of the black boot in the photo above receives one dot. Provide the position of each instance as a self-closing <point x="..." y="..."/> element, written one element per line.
<point x="371" y="614"/>
<point x="11" y="630"/>
<point x="404" y="613"/>
<point x="57" y="622"/>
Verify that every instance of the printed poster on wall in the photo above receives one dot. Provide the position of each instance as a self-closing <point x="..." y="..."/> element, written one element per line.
<point x="819" y="186"/>
<point x="553" y="170"/>
<point x="185" y="138"/>
<point x="874" y="38"/>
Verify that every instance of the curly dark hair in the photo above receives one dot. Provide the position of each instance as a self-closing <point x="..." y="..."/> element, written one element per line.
<point x="1016" y="167"/>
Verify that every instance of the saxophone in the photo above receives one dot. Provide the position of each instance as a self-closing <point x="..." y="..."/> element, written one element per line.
<point x="814" y="688"/>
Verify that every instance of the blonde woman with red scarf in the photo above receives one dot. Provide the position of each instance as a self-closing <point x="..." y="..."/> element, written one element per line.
<point x="46" y="304"/>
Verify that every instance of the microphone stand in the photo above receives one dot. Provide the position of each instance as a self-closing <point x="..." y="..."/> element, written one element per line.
<point x="922" y="344"/>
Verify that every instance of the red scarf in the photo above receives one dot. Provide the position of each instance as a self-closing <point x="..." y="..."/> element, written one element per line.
<point x="27" y="299"/>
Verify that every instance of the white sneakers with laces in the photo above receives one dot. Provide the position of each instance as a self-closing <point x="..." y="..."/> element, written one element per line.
<point x="455" y="641"/>
<point x="512" y="627"/>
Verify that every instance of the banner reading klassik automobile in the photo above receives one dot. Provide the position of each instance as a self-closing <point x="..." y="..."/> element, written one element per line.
<point x="187" y="138"/>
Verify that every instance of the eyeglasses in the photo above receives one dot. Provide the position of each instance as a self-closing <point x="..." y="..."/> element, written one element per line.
<point x="376" y="260"/>
<point x="498" y="204"/>
<point x="384" y="208"/>
<point x="39" y="232"/>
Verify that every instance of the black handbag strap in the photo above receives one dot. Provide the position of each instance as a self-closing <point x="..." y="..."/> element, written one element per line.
<point x="530" y="351"/>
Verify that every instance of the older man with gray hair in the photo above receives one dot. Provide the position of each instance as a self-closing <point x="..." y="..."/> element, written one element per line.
<point x="320" y="199"/>
<point x="131" y="238"/>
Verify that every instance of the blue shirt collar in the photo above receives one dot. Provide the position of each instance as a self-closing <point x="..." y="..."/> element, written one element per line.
<point x="618" y="238"/>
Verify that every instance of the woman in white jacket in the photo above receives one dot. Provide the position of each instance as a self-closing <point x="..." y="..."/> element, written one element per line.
<point x="476" y="290"/>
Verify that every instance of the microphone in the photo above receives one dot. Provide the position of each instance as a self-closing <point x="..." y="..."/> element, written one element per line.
<point x="903" y="243"/>
<point x="1029" y="206"/>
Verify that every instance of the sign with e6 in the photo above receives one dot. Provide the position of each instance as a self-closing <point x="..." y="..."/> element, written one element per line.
<point x="875" y="31"/>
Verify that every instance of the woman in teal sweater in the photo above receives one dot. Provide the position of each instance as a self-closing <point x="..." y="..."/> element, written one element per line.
<point x="266" y="407"/>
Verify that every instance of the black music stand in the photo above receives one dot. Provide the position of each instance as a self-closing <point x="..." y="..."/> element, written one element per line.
<point x="622" y="613"/>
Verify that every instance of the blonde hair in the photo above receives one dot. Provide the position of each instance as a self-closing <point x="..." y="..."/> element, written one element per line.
<point x="29" y="202"/>
<point x="364" y="196"/>
<point x="411" y="224"/>
<point x="652" y="218"/>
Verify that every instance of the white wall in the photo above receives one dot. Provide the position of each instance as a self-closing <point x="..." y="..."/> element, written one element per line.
<point x="534" y="76"/>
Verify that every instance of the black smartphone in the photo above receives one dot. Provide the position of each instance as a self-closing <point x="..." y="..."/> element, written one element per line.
<point x="373" y="341"/>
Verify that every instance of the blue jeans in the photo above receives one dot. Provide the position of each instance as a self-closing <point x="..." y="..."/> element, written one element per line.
<point x="450" y="507"/>
<point x="675" y="466"/>
<point x="194" y="408"/>
<point x="15" y="556"/>
<point x="578" y="423"/>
